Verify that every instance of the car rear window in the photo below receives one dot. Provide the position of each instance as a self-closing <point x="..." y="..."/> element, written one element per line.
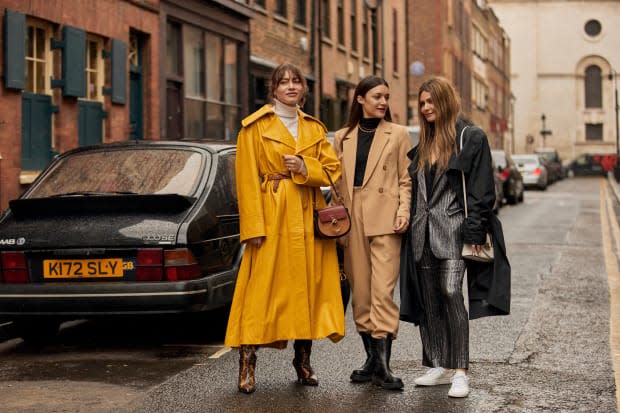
<point x="499" y="158"/>
<point x="139" y="171"/>
<point x="525" y="160"/>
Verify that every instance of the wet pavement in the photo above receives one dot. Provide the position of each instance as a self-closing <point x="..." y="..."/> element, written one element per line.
<point x="552" y="354"/>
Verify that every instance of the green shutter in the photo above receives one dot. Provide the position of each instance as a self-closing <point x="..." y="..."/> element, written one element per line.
<point x="14" y="49"/>
<point x="90" y="123"/>
<point x="74" y="61"/>
<point x="119" y="71"/>
<point x="36" y="131"/>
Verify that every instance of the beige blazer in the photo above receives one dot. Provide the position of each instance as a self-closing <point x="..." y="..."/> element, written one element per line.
<point x="386" y="189"/>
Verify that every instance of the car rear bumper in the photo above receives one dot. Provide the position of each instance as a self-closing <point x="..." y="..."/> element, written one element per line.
<point x="90" y="299"/>
<point x="531" y="180"/>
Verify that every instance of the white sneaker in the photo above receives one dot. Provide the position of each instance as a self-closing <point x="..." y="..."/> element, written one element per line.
<point x="434" y="376"/>
<point x="460" y="385"/>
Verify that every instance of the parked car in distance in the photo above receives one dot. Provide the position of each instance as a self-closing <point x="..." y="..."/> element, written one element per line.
<point x="138" y="227"/>
<point x="533" y="170"/>
<point x="591" y="164"/>
<point x="552" y="161"/>
<point x="499" y="189"/>
<point x="414" y="134"/>
<point x="509" y="175"/>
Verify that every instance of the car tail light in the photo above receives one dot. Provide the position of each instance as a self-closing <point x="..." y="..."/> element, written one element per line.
<point x="537" y="171"/>
<point x="505" y="174"/>
<point x="181" y="265"/>
<point x="149" y="264"/>
<point x="14" y="268"/>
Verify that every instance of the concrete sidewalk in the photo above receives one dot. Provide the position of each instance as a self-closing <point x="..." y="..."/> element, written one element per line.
<point x="614" y="285"/>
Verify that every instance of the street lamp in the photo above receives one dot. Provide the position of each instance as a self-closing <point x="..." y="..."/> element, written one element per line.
<point x="612" y="76"/>
<point x="544" y="132"/>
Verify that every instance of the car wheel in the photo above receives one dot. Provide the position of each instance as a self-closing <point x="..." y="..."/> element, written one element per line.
<point x="37" y="331"/>
<point x="512" y="198"/>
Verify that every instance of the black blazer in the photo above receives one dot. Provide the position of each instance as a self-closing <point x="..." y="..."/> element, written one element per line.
<point x="488" y="283"/>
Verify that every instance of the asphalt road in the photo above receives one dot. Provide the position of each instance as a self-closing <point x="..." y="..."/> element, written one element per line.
<point x="551" y="354"/>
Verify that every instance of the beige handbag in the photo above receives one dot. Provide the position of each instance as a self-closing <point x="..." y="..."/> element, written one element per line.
<point x="486" y="255"/>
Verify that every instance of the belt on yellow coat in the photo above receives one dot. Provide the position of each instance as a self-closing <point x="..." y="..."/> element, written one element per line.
<point x="277" y="178"/>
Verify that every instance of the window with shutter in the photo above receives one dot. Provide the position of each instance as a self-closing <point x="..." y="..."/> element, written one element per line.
<point x="14" y="50"/>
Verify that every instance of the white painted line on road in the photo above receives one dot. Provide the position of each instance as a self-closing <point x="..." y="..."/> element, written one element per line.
<point x="220" y="353"/>
<point x="609" y="228"/>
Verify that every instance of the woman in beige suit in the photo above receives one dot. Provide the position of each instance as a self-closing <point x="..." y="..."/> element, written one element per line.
<point x="376" y="188"/>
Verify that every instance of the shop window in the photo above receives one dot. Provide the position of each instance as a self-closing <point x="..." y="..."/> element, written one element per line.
<point x="211" y="104"/>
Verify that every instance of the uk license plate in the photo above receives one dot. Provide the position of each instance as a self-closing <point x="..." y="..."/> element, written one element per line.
<point x="91" y="268"/>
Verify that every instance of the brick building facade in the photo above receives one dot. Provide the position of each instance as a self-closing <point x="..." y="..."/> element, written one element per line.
<point x="463" y="41"/>
<point x="82" y="72"/>
<point x="356" y="38"/>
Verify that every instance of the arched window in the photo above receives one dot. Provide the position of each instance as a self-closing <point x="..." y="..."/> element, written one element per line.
<point x="593" y="87"/>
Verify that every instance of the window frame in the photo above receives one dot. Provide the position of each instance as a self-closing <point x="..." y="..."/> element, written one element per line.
<point x="592" y="129"/>
<point x="340" y="19"/>
<point x="98" y="70"/>
<point x="593" y="87"/>
<point x="301" y="15"/>
<point x="353" y="28"/>
<point x="280" y="8"/>
<point x="227" y="108"/>
<point x="47" y="59"/>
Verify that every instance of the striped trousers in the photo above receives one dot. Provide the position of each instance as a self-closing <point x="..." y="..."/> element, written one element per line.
<point x="444" y="329"/>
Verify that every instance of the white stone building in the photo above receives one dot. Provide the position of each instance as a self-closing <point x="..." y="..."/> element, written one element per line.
<point x="566" y="65"/>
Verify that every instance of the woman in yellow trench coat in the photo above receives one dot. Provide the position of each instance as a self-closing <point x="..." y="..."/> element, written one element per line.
<point x="288" y="285"/>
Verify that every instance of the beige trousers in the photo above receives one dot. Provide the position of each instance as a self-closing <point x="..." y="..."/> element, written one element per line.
<point x="372" y="266"/>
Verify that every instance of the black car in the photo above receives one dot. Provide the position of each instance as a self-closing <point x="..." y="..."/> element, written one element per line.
<point x="553" y="162"/>
<point x="126" y="228"/>
<point x="510" y="176"/>
<point x="591" y="164"/>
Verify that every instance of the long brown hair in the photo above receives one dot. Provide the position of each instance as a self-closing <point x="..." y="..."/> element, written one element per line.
<point x="440" y="134"/>
<point x="278" y="74"/>
<point x="357" y="112"/>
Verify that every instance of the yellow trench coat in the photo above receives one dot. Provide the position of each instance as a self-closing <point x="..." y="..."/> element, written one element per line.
<point x="289" y="287"/>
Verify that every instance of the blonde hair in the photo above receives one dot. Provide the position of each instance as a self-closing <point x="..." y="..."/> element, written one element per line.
<point x="440" y="134"/>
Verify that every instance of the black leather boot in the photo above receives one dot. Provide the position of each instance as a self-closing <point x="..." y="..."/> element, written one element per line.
<point x="382" y="375"/>
<point x="301" y="362"/>
<point x="364" y="374"/>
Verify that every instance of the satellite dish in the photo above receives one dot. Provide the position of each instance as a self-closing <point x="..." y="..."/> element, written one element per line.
<point x="371" y="4"/>
<point x="417" y="68"/>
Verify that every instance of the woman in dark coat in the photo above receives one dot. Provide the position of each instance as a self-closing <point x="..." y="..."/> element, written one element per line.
<point x="432" y="268"/>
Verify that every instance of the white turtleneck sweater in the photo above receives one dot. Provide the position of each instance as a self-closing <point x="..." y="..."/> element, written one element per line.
<point x="288" y="116"/>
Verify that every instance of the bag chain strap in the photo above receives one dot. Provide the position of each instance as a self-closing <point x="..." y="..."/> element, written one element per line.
<point x="463" y="175"/>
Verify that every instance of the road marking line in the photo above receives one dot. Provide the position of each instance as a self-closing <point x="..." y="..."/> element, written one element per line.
<point x="609" y="228"/>
<point x="220" y="353"/>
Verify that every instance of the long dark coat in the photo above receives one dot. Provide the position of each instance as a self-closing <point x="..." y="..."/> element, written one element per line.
<point x="488" y="283"/>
